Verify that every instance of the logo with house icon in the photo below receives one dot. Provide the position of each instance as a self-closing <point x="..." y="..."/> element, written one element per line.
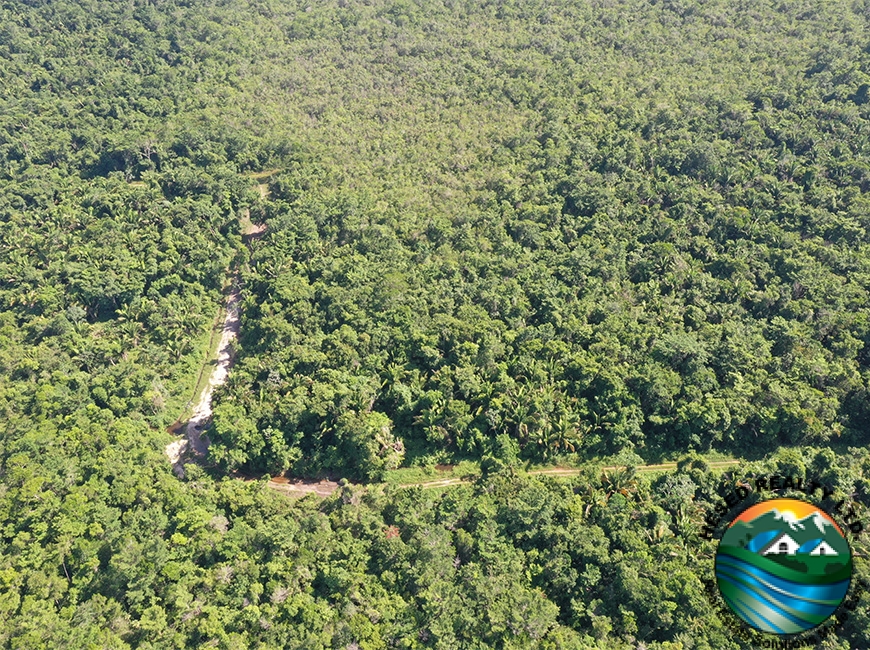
<point x="784" y="544"/>
<point x="783" y="566"/>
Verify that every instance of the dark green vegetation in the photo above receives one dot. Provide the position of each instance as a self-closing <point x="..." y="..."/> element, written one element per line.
<point x="499" y="230"/>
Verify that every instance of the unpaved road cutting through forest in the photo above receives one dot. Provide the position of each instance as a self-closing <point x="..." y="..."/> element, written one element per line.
<point x="193" y="444"/>
<point x="325" y="488"/>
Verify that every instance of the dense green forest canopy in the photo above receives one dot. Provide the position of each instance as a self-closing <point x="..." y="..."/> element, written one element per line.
<point x="500" y="231"/>
<point x="587" y="227"/>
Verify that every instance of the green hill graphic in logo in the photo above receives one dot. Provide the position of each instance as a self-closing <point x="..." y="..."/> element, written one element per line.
<point x="783" y="566"/>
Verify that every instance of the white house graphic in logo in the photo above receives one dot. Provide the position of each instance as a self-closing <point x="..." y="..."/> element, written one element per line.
<point x="783" y="544"/>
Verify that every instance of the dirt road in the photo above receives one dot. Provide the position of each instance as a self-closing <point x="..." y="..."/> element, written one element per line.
<point x="325" y="488"/>
<point x="193" y="444"/>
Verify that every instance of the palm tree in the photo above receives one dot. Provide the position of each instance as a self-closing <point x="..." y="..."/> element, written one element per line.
<point x="178" y="347"/>
<point x="431" y="419"/>
<point x="566" y="435"/>
<point x="621" y="480"/>
<point x="520" y="414"/>
<point x="593" y="496"/>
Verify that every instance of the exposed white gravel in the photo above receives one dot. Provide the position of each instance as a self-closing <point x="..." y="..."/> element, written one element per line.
<point x="194" y="443"/>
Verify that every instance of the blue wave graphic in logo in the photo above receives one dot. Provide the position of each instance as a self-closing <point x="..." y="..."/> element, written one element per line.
<point x="772" y="604"/>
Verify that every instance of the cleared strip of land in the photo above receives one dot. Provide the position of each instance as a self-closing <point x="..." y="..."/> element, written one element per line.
<point x="325" y="488"/>
<point x="194" y="442"/>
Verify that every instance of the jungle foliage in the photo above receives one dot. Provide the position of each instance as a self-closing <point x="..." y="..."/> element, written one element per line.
<point x="501" y="230"/>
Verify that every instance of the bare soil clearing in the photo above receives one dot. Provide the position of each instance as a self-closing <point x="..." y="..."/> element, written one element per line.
<point x="325" y="488"/>
<point x="249" y="228"/>
<point x="291" y="487"/>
